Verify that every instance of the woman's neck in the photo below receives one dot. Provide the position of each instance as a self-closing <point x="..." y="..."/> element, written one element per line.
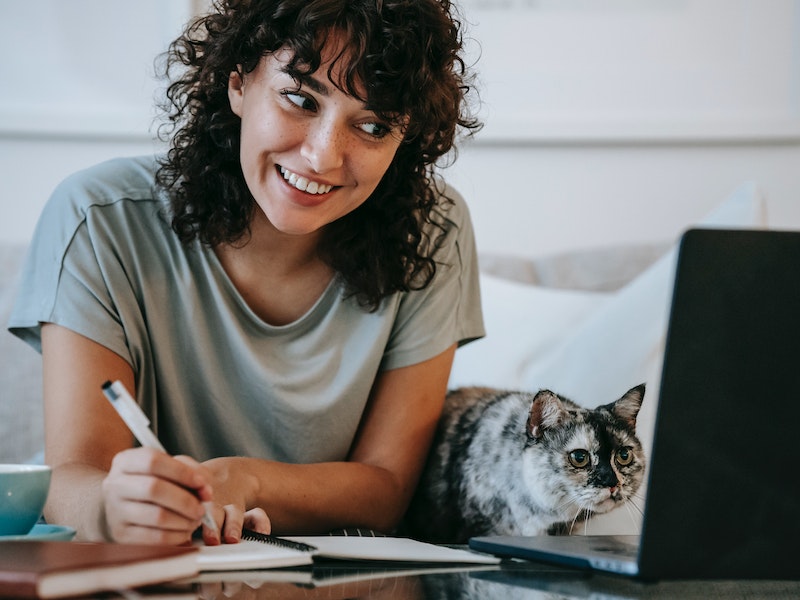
<point x="280" y="276"/>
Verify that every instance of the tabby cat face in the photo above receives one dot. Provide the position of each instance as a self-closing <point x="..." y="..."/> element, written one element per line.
<point x="591" y="458"/>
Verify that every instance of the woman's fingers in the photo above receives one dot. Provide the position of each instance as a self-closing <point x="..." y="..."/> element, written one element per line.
<point x="235" y="520"/>
<point x="131" y="524"/>
<point x="232" y="526"/>
<point x="257" y="520"/>
<point x="153" y="497"/>
<point x="134" y="520"/>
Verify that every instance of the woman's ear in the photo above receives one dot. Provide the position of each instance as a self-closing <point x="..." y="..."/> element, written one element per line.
<point x="236" y="92"/>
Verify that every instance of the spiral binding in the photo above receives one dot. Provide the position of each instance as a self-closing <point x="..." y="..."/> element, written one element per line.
<point x="249" y="534"/>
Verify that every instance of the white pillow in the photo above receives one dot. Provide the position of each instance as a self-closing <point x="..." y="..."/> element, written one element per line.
<point x="524" y="323"/>
<point x="621" y="344"/>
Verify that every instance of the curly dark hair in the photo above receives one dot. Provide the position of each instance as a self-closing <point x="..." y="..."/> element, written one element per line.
<point x="406" y="54"/>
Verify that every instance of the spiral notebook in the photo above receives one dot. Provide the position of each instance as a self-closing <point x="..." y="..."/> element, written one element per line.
<point x="254" y="551"/>
<point x="259" y="551"/>
<point x="722" y="495"/>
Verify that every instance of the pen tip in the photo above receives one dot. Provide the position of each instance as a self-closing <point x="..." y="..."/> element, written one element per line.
<point x="106" y="385"/>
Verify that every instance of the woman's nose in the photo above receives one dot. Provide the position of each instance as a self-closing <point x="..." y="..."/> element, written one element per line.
<point x="324" y="145"/>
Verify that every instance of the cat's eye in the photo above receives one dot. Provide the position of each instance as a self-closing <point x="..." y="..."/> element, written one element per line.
<point x="579" y="458"/>
<point x="624" y="456"/>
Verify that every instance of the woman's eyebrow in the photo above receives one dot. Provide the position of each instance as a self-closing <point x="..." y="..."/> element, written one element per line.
<point x="314" y="84"/>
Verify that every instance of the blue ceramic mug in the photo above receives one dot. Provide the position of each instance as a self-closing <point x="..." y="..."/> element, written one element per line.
<point x="23" y="492"/>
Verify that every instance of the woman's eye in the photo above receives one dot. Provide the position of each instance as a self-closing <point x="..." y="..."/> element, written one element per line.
<point x="579" y="458"/>
<point x="376" y="130"/>
<point x="300" y="100"/>
<point x="624" y="456"/>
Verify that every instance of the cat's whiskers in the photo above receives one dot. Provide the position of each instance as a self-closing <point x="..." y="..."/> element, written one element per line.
<point x="634" y="505"/>
<point x="574" y="520"/>
<point x="570" y="501"/>
<point x="634" y="501"/>
<point x="635" y="511"/>
<point x="629" y="510"/>
<point x="583" y="512"/>
<point x="587" y="513"/>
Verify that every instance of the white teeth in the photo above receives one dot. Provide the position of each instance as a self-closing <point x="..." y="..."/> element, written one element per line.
<point x="303" y="184"/>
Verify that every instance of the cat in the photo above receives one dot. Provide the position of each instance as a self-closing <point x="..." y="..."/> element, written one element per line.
<point x="518" y="463"/>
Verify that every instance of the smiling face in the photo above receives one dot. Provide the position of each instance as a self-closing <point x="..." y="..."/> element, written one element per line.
<point x="310" y="153"/>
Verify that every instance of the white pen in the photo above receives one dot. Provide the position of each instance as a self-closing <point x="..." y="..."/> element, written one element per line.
<point x="139" y="424"/>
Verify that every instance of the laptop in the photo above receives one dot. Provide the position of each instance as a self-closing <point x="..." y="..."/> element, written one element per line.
<point x="723" y="489"/>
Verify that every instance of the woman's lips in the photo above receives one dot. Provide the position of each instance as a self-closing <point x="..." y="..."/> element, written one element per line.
<point x="303" y="184"/>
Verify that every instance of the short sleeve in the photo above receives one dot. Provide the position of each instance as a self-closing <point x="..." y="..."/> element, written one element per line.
<point x="66" y="274"/>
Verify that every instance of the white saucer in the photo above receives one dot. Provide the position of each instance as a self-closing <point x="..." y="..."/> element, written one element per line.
<point x="43" y="532"/>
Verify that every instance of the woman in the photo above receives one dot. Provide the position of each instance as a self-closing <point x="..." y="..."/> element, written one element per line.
<point x="282" y="293"/>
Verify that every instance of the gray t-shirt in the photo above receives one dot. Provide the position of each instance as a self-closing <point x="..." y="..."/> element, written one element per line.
<point x="214" y="378"/>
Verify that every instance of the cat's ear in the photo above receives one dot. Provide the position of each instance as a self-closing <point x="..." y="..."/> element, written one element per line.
<point x="546" y="411"/>
<point x="627" y="407"/>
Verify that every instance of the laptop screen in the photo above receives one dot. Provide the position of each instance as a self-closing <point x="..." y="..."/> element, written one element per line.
<point x="723" y="494"/>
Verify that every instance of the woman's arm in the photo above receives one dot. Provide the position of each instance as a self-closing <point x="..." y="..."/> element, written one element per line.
<point x="101" y="486"/>
<point x="372" y="489"/>
<point x="106" y="490"/>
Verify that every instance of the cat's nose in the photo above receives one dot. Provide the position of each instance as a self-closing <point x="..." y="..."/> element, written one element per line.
<point x="606" y="477"/>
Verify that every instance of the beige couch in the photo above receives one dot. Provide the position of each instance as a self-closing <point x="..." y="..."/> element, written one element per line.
<point x="20" y="374"/>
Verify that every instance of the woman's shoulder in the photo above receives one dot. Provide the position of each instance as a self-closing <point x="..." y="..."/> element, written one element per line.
<point x="108" y="181"/>
<point x="451" y="213"/>
<point x="94" y="189"/>
<point x="457" y="209"/>
<point x="101" y="185"/>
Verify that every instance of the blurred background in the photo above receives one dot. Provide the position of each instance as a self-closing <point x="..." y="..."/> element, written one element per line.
<point x="608" y="122"/>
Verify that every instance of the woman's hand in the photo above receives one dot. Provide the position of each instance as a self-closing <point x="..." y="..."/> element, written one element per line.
<point x="107" y="490"/>
<point x="154" y="498"/>
<point x="233" y="508"/>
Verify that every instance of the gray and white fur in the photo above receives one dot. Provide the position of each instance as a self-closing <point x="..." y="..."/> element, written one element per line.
<point x="518" y="463"/>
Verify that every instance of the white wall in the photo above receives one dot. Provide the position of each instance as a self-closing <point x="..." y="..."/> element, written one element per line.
<point x="619" y="121"/>
<point x="533" y="200"/>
